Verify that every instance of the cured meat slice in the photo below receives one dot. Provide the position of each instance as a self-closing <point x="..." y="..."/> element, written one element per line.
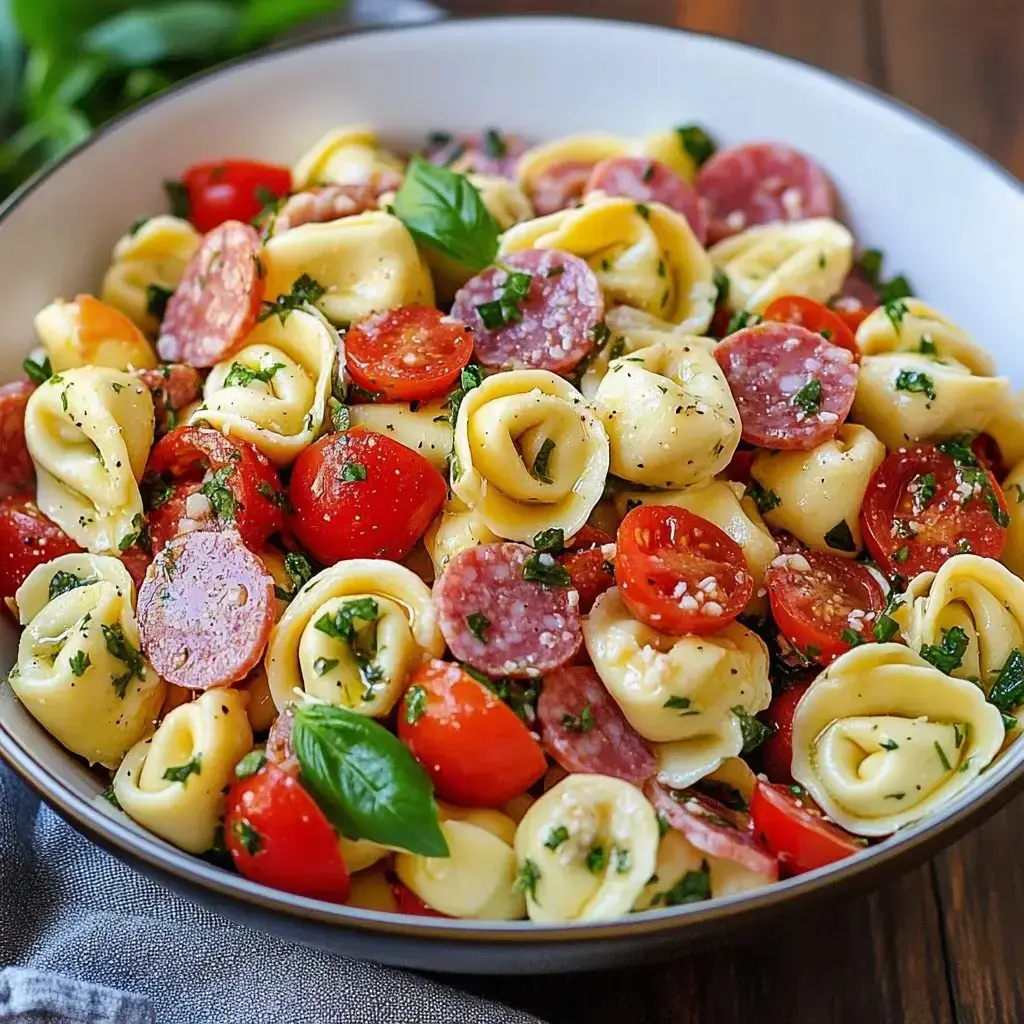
<point x="173" y="387"/>
<point x="489" y="152"/>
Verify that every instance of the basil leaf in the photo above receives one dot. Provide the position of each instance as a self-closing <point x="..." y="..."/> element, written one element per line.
<point x="365" y="780"/>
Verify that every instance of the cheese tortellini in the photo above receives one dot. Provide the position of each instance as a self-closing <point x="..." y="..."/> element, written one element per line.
<point x="811" y="493"/>
<point x="1013" y="489"/>
<point x="763" y="263"/>
<point x="87" y="332"/>
<point x="348" y="156"/>
<point x="174" y="782"/>
<point x="455" y="529"/>
<point x="881" y="738"/>
<point x="586" y="849"/>
<point x="690" y="693"/>
<point x="422" y="426"/>
<point x="353" y="635"/>
<point x="273" y="392"/>
<point x="669" y="413"/>
<point x="365" y="264"/>
<point x="643" y="256"/>
<point x="529" y="454"/>
<point x="89" y="432"/>
<point x="80" y="672"/>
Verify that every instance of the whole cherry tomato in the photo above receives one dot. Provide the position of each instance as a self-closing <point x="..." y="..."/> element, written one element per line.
<point x="232" y="190"/>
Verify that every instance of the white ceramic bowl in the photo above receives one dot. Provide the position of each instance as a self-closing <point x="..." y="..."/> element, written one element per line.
<point x="942" y="212"/>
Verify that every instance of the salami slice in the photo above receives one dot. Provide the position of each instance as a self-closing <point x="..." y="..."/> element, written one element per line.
<point x="560" y="186"/>
<point x="215" y="305"/>
<point x="550" y="328"/>
<point x="583" y="729"/>
<point x="205" y="610"/>
<point x="173" y="388"/>
<point x="856" y="294"/>
<point x="759" y="183"/>
<point x="136" y="561"/>
<point x="16" y="470"/>
<point x="530" y="628"/>
<point x="651" y="181"/>
<point x="713" y="828"/>
<point x="793" y="389"/>
<point x="279" y="739"/>
<point x="332" y="202"/>
<point x="490" y="152"/>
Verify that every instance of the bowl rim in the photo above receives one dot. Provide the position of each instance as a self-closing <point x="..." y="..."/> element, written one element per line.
<point x="912" y="844"/>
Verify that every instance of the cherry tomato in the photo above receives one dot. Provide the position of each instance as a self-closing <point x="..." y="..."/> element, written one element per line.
<point x="363" y="495"/>
<point x="679" y="573"/>
<point x="136" y="561"/>
<point x="796" y="831"/>
<point x="472" y="745"/>
<point x="27" y="539"/>
<point x="923" y="505"/>
<point x="817" y="599"/>
<point x="591" y="573"/>
<point x="278" y="836"/>
<point x="738" y="469"/>
<point x="777" y="750"/>
<point x="407" y="354"/>
<point x="853" y="316"/>
<point x="232" y="190"/>
<point x="986" y="451"/>
<point x="409" y="903"/>
<point x="720" y="321"/>
<point x="234" y="486"/>
<point x="795" y="309"/>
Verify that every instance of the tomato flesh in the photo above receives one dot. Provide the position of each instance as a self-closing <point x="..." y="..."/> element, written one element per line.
<point x="591" y="573"/>
<point x="678" y="572"/>
<point x="406" y="354"/>
<point x="795" y="309"/>
<point x="27" y="539"/>
<point x="923" y="506"/>
<point x="777" y="751"/>
<point x="232" y="190"/>
<point x="796" y="831"/>
<point x="407" y="902"/>
<point x="472" y="745"/>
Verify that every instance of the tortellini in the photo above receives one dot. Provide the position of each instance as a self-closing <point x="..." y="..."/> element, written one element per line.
<point x="365" y="264"/>
<point x="669" y="413"/>
<point x="87" y="332"/>
<point x="422" y="426"/>
<point x="882" y="738"/>
<point x="455" y="529"/>
<point x="581" y="150"/>
<point x="273" y="392"/>
<point x="80" y="672"/>
<point x="371" y="890"/>
<point x="529" y="454"/>
<point x="813" y="492"/>
<point x="1006" y="428"/>
<point x="89" y="432"/>
<point x="1013" y="489"/>
<point x="586" y="849"/>
<point x="348" y="156"/>
<point x="763" y="263"/>
<point x="152" y="255"/>
<point x="643" y="256"/>
<point x="690" y="693"/>
<point x="353" y="635"/>
<point x="174" y="782"/>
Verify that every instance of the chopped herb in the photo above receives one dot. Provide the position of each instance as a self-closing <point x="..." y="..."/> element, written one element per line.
<point x="942" y="757"/>
<point x="111" y="797"/>
<point x="721" y="286"/>
<point x="896" y="311"/>
<point x="555" y="271"/>
<point x="644" y="210"/>
<point x="601" y="333"/>
<point x="505" y="308"/>
<point x="693" y="887"/>
<point x="949" y="653"/>
<point x="764" y="500"/>
<point x="551" y="540"/>
<point x="340" y="419"/>
<point x="120" y="648"/>
<point x="181" y="772"/>
<point x="278" y="498"/>
<point x="895" y="796"/>
<point x="583" y="722"/>
<point x="138" y="535"/>
<point x="852" y="637"/>
<point x="744" y="318"/>
<point x="156" y="490"/>
<point x="304" y="290"/>
<point x="527" y="879"/>
<point x="597" y="860"/>
<point x="324" y="665"/>
<point x="648" y="171"/>
<point x="959" y="450"/>
<point x="494" y="144"/>
<point x="157" y="297"/>
<point x="663" y="825"/>
<point x="61" y="582"/>
<point x="754" y="732"/>
<point x="885" y="628"/>
<point x="1020" y="493"/>
<point x="472" y="377"/>
<point x="808" y="398"/>
<point x="177" y="197"/>
<point x="887" y="744"/>
<point x="926" y="346"/>
<point x="249" y="839"/>
<point x="221" y="498"/>
<point x="298" y="569"/>
<point x="1007" y="691"/>
<point x="242" y="376"/>
<point x="478" y="625"/>
<point x="696" y="142"/>
<point x="79" y="662"/>
<point x="137" y="225"/>
<point x="548" y="575"/>
<point x="415" y="704"/>
<point x="38" y="373"/>
<point x="341" y="624"/>
<point x="895" y="289"/>
<point x="958" y="735"/>
<point x="540" y="463"/>
<point x="840" y="537"/>
<point x="901" y="554"/>
<point x="352" y="473"/>
<point x="916" y="382"/>
<point x="556" y="837"/>
<point x="680" y="704"/>
<point x="250" y="764"/>
<point x="925" y="490"/>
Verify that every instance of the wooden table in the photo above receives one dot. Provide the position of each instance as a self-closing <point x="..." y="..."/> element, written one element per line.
<point x="945" y="943"/>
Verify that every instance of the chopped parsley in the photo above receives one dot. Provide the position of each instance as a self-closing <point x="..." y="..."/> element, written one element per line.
<point x="119" y="647"/>
<point x="721" y="286"/>
<point x="415" y="704"/>
<point x="278" y="498"/>
<point x="304" y="290"/>
<point x="886" y="627"/>
<point x="949" y="653"/>
<point x="888" y="744"/>
<point x="744" y="318"/>
<point x="61" y="582"/>
<point x="250" y="764"/>
<point x="157" y="297"/>
<point x="341" y="624"/>
<point x="540" y="463"/>
<point x="505" y="309"/>
<point x="324" y="665"/>
<point x="138" y="535"/>
<point x="478" y="625"/>
<point x="583" y="722"/>
<point x="551" y="540"/>
<point x="248" y="838"/>
<point x="852" y="637"/>
<point x="472" y="376"/>
<point x="556" y="837"/>
<point x="942" y="757"/>
<point x="925" y="491"/>
<point x="242" y="376"/>
<point x="177" y="198"/>
<point x="1007" y="691"/>
<point x="898" y="287"/>
<point x="693" y="887"/>
<point x="916" y="382"/>
<point x="896" y="310"/>
<point x="764" y="500"/>
<point x="808" y="398"/>
<point x="900" y="555"/>
<point x="644" y="210"/>
<point x="221" y="498"/>
<point x="541" y="568"/>
<point x="680" y="704"/>
<point x="38" y="373"/>
<point x="926" y="346"/>
<point x="527" y="879"/>
<point x="352" y="473"/>
<point x="79" y="662"/>
<point x="959" y="450"/>
<point x="597" y="860"/>
<point x="696" y="142"/>
<point x="754" y="732"/>
<point x="840" y="537"/>
<point x="340" y="419"/>
<point x="181" y="772"/>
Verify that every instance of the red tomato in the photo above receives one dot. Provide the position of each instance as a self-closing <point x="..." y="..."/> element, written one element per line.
<point x="679" y="573"/>
<point x="812" y="606"/>
<point x="777" y="750"/>
<point x="591" y="573"/>
<point x="720" y="321"/>
<point x="472" y="745"/>
<point x="409" y="903"/>
<point x="278" y="836"/>
<point x="796" y="831"/>
<point x="795" y="309"/>
<point x="986" y="451"/>
<point x="738" y="469"/>
<point x="407" y="354"/>
<point x="853" y="318"/>
<point x="363" y="495"/>
<point x="232" y="190"/>
<point x="136" y="561"/>
<point x="27" y="539"/>
<point x="241" y="487"/>
<point x="922" y="506"/>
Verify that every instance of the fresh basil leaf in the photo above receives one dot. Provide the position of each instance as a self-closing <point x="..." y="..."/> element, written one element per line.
<point x="840" y="537"/>
<point x="262" y="20"/>
<point x="1007" y="691"/>
<point x="948" y="654"/>
<point x="696" y="142"/>
<point x="754" y="731"/>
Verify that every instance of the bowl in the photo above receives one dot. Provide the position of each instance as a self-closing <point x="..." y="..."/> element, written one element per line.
<point x="942" y="212"/>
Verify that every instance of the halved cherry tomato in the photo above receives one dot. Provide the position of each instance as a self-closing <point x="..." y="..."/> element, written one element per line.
<point x="795" y="309"/>
<point x="591" y="573"/>
<point x="407" y="354"/>
<point x="472" y="745"/>
<point x="409" y="903"/>
<point x="678" y="572"/>
<point x="853" y="316"/>
<point x="278" y="836"/>
<point x="232" y="190"/>
<point x="796" y="831"/>
<point x="817" y="598"/>
<point x="777" y="750"/>
<point x="363" y="495"/>
<point x="136" y="561"/>
<point x="923" y="506"/>
<point x="27" y="539"/>
<point x="240" y="487"/>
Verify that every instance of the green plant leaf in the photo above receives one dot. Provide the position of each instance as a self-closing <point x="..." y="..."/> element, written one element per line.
<point x="264" y="19"/>
<point x="10" y="63"/>
<point x="57" y="25"/>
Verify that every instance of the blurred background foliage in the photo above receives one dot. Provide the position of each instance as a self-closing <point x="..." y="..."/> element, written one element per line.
<point x="66" y="66"/>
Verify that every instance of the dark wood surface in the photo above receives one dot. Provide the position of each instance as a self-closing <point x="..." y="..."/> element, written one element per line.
<point x="945" y="943"/>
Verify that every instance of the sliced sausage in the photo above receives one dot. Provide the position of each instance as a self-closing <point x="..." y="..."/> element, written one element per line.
<point x="173" y="387"/>
<point x="560" y="186"/>
<point x="279" y="739"/>
<point x="583" y="729"/>
<point x="531" y="628"/>
<point x="216" y="303"/>
<point x="762" y="182"/>
<point x="490" y="152"/>
<point x="16" y="469"/>
<point x="329" y="202"/>
<point x="856" y="294"/>
<point x="205" y="610"/>
<point x="550" y="328"/>
<point x="793" y="388"/>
